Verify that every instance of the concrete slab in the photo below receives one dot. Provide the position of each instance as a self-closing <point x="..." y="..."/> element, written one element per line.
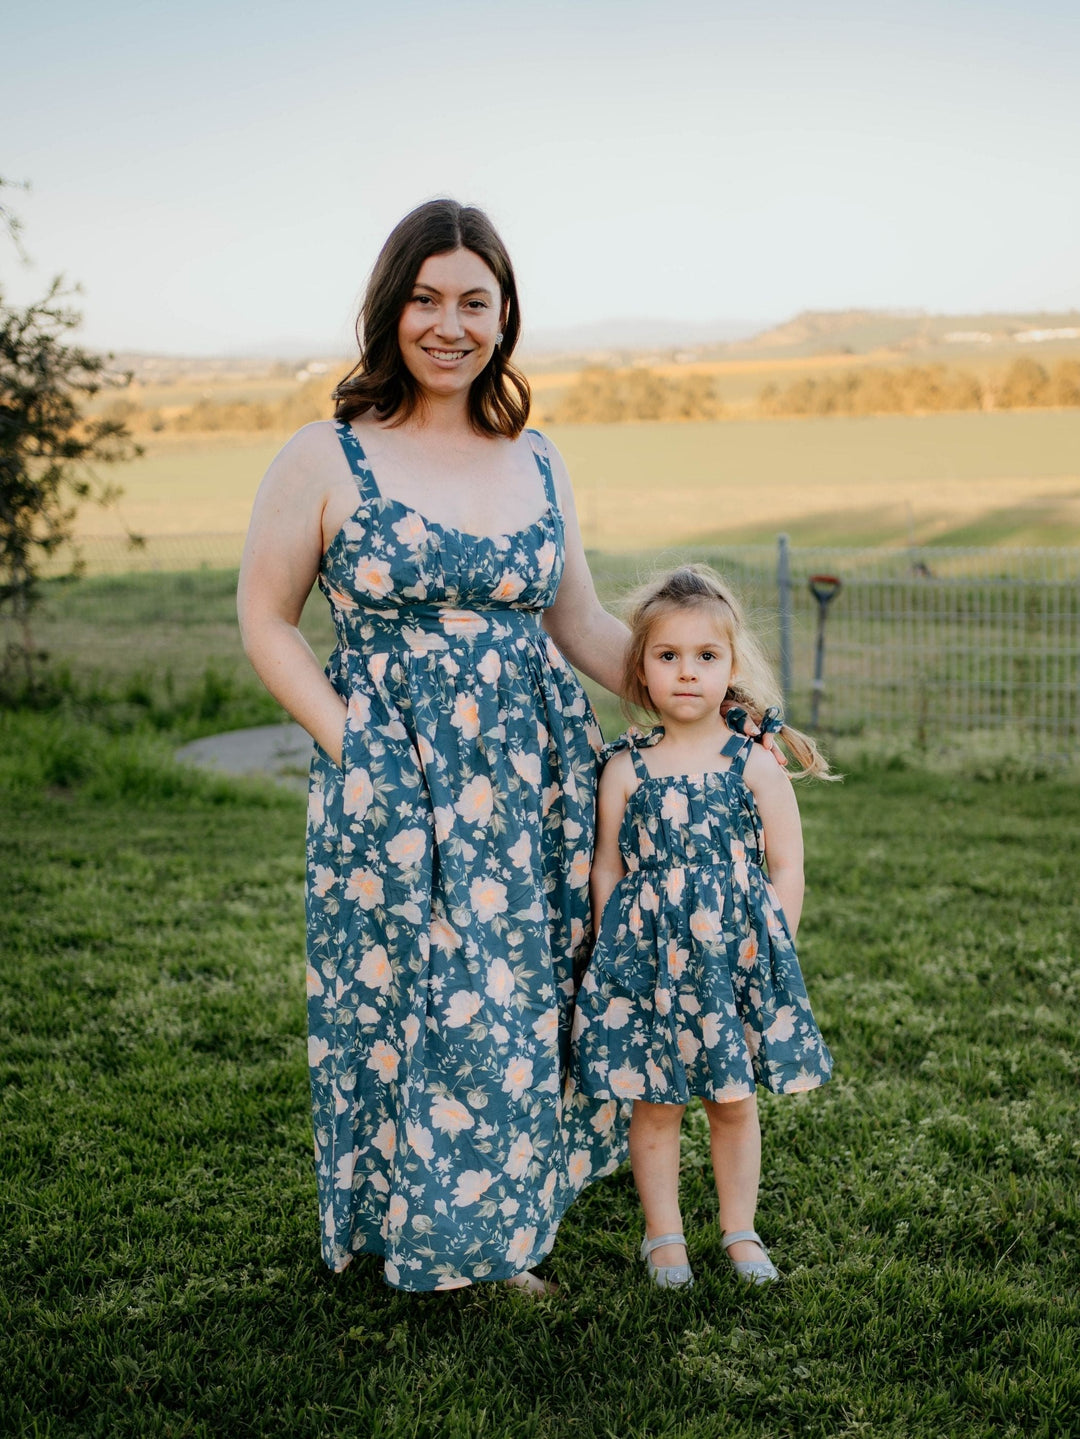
<point x="280" y="752"/>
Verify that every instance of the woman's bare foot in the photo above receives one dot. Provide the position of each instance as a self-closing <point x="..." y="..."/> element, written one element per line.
<point x="530" y="1283"/>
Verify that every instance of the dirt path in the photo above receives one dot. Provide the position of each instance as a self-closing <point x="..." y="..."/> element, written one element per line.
<point x="280" y="752"/>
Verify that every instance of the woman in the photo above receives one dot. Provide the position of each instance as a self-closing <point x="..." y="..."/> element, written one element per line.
<point x="452" y="785"/>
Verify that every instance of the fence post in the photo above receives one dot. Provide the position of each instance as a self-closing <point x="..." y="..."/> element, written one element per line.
<point x="783" y="585"/>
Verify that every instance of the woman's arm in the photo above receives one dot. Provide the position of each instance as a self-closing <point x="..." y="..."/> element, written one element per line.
<point x="779" y="810"/>
<point x="607" y="865"/>
<point x="280" y="563"/>
<point x="593" y="640"/>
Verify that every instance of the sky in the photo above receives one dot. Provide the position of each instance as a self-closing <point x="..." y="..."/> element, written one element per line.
<point x="219" y="176"/>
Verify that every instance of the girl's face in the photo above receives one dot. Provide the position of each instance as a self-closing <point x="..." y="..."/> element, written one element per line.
<point x="687" y="665"/>
<point x="447" y="329"/>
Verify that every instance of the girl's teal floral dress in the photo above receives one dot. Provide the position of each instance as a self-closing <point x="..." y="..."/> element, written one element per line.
<point x="447" y="900"/>
<point x="694" y="987"/>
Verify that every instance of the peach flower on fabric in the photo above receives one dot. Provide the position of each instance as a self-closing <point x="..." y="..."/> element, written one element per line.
<point x="783" y="1026"/>
<point x="520" y="852"/>
<point x="617" y="1014"/>
<point x="626" y="1083"/>
<point x="748" y="952"/>
<point x="397" y="1212"/>
<point x="649" y="900"/>
<point x="463" y="1005"/>
<point x="472" y="1183"/>
<point x="801" y="1083"/>
<point x="521" y="1245"/>
<point x="317" y="1050"/>
<point x="645" y="847"/>
<point x="488" y="898"/>
<point x="490" y="667"/>
<point x="739" y="870"/>
<point x="578" y="1167"/>
<point x="373" y="576"/>
<point x="674" y="807"/>
<point x="385" y="1140"/>
<point x="580" y="866"/>
<point x="527" y="767"/>
<point x="443" y="936"/>
<point x="410" y="1031"/>
<point x="375" y="970"/>
<point x="466" y="716"/>
<point x="710" y="1030"/>
<point x="444" y="822"/>
<point x="604" y="1117"/>
<point x="519" y="1158"/>
<point x="462" y="622"/>
<point x="546" y="1028"/>
<point x="377" y="667"/>
<point x="500" y="981"/>
<point x="420" y="1140"/>
<point x="450" y="1115"/>
<point x="674" y="884"/>
<point x="384" y="1060"/>
<point x="705" y="925"/>
<point x="358" y="714"/>
<point x="656" y="1077"/>
<point x="365" y="887"/>
<point x="411" y="530"/>
<point x="545" y="558"/>
<point x="676" y="959"/>
<point x="314" y="981"/>
<point x="509" y="587"/>
<point x="475" y="802"/>
<point x="358" y="793"/>
<point x="662" y="1000"/>
<point x="345" y="1168"/>
<point x="689" y="1046"/>
<point x="517" y="1077"/>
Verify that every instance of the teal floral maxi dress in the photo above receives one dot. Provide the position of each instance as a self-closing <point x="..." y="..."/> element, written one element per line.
<point x="447" y="900"/>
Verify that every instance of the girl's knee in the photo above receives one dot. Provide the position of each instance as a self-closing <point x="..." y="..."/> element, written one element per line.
<point x="732" y="1114"/>
<point x="657" y="1116"/>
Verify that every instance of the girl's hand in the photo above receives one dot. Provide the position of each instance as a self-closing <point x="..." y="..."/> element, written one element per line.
<point x="745" y="722"/>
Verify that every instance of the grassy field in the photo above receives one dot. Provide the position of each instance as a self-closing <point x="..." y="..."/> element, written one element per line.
<point x="159" y="1264"/>
<point x="1009" y="478"/>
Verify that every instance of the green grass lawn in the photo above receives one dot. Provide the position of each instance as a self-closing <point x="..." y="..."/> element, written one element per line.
<point x="160" y="1266"/>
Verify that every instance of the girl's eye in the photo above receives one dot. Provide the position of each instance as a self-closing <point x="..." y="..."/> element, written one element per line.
<point x="667" y="655"/>
<point x="707" y="655"/>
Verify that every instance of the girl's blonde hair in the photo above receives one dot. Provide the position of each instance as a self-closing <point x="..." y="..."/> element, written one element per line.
<point x="753" y="685"/>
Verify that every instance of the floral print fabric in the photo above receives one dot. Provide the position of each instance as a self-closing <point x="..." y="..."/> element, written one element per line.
<point x="694" y="987"/>
<point x="447" y="901"/>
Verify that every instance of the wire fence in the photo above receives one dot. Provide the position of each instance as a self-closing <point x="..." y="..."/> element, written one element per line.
<point x="917" y="642"/>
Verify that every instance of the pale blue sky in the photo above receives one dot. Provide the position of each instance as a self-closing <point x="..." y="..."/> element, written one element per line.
<point x="220" y="176"/>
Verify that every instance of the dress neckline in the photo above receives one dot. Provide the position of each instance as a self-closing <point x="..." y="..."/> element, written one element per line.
<point x="369" y="490"/>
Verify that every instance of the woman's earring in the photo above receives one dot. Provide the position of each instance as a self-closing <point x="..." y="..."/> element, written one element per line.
<point x="499" y="338"/>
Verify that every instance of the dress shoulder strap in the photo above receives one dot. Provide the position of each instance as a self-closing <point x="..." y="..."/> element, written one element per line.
<point x="542" y="456"/>
<point x="739" y="746"/>
<point x="633" y="742"/>
<point x="357" y="460"/>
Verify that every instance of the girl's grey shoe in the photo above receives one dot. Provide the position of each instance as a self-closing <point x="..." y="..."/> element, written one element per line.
<point x="751" y="1271"/>
<point x="666" y="1276"/>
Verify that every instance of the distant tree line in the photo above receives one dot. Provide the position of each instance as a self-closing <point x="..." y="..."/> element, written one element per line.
<point x="915" y="389"/>
<point x="309" y="401"/>
<point x="603" y="396"/>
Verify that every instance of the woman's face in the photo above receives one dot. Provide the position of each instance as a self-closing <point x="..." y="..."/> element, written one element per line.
<point x="447" y="329"/>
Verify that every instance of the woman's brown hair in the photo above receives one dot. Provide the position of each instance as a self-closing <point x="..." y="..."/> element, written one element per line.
<point x="753" y="686"/>
<point x="380" y="380"/>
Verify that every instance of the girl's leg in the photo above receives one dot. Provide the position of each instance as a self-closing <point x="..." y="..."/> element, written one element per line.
<point x="654" y="1158"/>
<point x="735" y="1143"/>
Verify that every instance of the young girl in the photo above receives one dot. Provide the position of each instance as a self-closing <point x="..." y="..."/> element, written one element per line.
<point x="694" y="987"/>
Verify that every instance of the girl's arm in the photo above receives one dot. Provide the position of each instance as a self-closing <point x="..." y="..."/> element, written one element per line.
<point x="280" y="563"/>
<point x="779" y="810"/>
<point x="593" y="640"/>
<point x="616" y="781"/>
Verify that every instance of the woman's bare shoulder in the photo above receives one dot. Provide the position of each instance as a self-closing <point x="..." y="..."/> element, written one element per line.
<point x="309" y="456"/>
